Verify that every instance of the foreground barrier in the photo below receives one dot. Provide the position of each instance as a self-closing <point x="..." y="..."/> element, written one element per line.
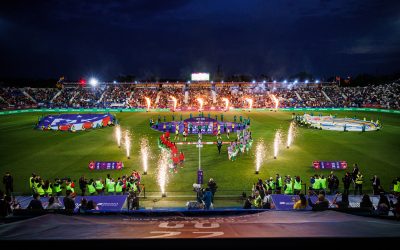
<point x="118" y="203"/>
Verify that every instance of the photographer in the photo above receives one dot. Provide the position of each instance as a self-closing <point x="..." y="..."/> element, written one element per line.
<point x="320" y="205"/>
<point x="133" y="201"/>
<point x="343" y="204"/>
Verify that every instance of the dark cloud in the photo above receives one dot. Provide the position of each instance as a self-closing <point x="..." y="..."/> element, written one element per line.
<point x="171" y="38"/>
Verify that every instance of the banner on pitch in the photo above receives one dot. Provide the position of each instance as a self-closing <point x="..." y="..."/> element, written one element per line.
<point x="334" y="165"/>
<point x="106" y="165"/>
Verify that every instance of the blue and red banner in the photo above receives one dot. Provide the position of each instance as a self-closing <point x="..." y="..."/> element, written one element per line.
<point x="106" y="165"/>
<point x="334" y="165"/>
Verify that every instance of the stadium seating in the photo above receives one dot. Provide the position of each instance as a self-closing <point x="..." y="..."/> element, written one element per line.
<point x="133" y="96"/>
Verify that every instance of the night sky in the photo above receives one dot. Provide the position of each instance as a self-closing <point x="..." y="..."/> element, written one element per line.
<point x="169" y="38"/>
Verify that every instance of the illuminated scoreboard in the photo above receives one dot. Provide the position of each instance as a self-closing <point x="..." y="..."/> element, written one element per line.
<point x="200" y="76"/>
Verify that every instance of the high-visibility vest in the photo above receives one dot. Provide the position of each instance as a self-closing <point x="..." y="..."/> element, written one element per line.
<point x="69" y="187"/>
<point x="323" y="183"/>
<point x="99" y="185"/>
<point x="132" y="185"/>
<point x="289" y="188"/>
<point x="359" y="179"/>
<point x="111" y="186"/>
<point x="297" y="185"/>
<point x="107" y="181"/>
<point x="257" y="201"/>
<point x="30" y="182"/>
<point x="316" y="184"/>
<point x="91" y="188"/>
<point x="49" y="191"/>
<point x="40" y="190"/>
<point x="118" y="187"/>
<point x="272" y="184"/>
<point x="396" y="187"/>
<point x="57" y="188"/>
<point x="280" y="182"/>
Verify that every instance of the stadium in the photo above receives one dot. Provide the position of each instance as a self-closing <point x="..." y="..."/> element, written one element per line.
<point x="198" y="156"/>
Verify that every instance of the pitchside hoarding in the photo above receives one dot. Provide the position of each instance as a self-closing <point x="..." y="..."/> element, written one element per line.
<point x="106" y="165"/>
<point x="334" y="165"/>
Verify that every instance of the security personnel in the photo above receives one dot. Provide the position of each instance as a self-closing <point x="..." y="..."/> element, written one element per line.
<point x="317" y="183"/>
<point x="57" y="187"/>
<point x="40" y="190"/>
<point x="108" y="178"/>
<point x="91" y="187"/>
<point x="257" y="201"/>
<point x="359" y="182"/>
<point x="99" y="186"/>
<point x="49" y="190"/>
<point x="31" y="181"/>
<point x="289" y="187"/>
<point x="118" y="186"/>
<point x="297" y="185"/>
<point x="111" y="187"/>
<point x="279" y="185"/>
<point x="271" y="183"/>
<point x="68" y="186"/>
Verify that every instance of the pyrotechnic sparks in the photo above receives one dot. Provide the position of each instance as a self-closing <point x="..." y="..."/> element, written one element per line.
<point x="163" y="165"/>
<point x="148" y="103"/>
<point x="275" y="100"/>
<point x="277" y="141"/>
<point x="201" y="102"/>
<point x="226" y="103"/>
<point x="175" y="101"/>
<point x="290" y="135"/>
<point x="260" y="155"/>
<point x="128" y="144"/>
<point x="144" y="149"/>
<point x="118" y="135"/>
<point x="250" y="101"/>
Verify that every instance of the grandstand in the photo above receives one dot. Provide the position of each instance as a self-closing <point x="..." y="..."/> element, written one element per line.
<point x="131" y="95"/>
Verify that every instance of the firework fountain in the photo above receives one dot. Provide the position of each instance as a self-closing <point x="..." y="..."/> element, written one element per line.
<point x="276" y="143"/>
<point x="276" y="101"/>
<point x="128" y="144"/>
<point x="162" y="176"/>
<point x="118" y="135"/>
<point x="201" y="102"/>
<point x="148" y="103"/>
<point x="226" y="103"/>
<point x="175" y="101"/>
<point x="290" y="135"/>
<point x="260" y="155"/>
<point x="250" y="101"/>
<point x="144" y="149"/>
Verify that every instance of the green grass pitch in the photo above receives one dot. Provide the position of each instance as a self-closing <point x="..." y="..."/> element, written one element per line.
<point x="51" y="154"/>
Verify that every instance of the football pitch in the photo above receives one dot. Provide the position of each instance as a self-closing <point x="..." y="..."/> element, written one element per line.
<point x="51" y="154"/>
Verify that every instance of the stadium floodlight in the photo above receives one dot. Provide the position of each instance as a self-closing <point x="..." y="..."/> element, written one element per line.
<point x="93" y="82"/>
<point x="188" y="81"/>
<point x="285" y="81"/>
<point x="317" y="81"/>
<point x="274" y="81"/>
<point x="115" y="82"/>
<point x="264" y="81"/>
<point x="212" y="81"/>
<point x="295" y="81"/>
<point x="222" y="81"/>
<point x="135" y="81"/>
<point x="306" y="81"/>
<point x="254" y="81"/>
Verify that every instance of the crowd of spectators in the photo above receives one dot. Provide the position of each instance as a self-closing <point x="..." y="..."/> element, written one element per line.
<point x="42" y="96"/>
<point x="130" y="96"/>
<point x="319" y="186"/>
